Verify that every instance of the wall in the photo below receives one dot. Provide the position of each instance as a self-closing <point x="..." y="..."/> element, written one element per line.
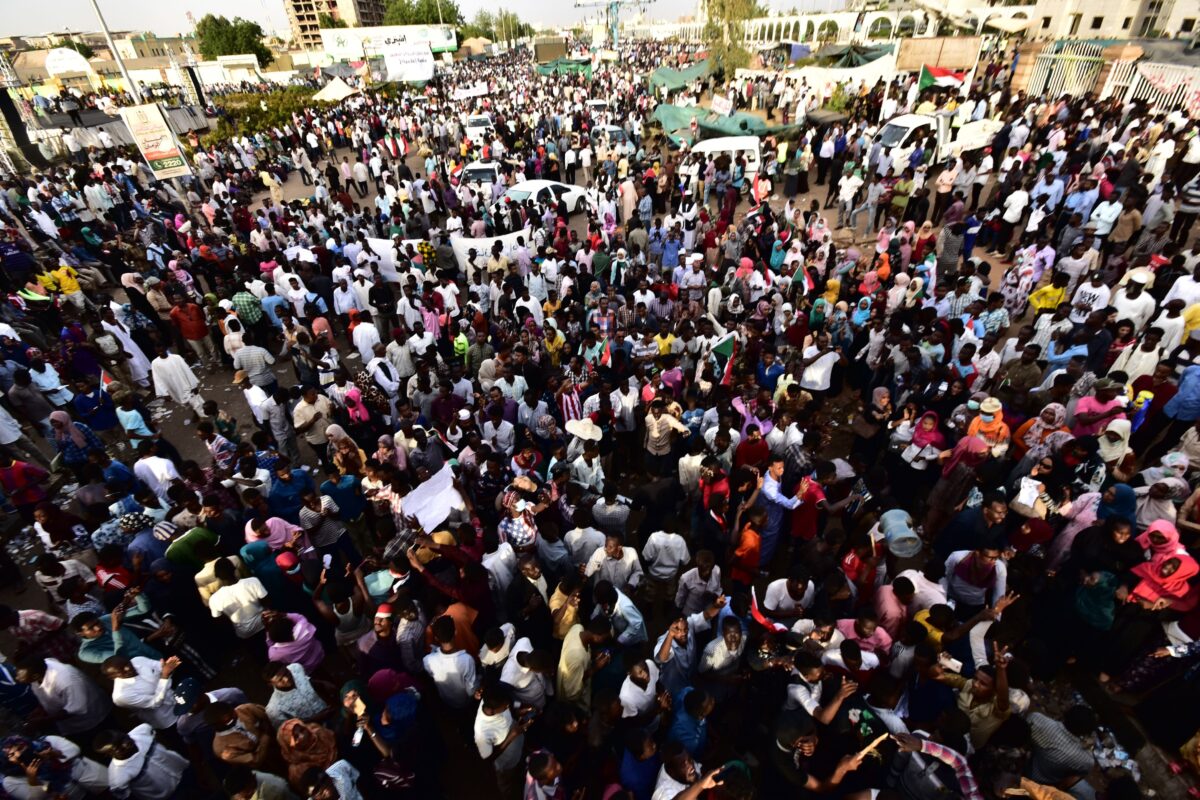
<point x="950" y="52"/>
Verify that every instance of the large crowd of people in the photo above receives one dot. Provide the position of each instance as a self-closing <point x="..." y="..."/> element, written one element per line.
<point x="700" y="491"/>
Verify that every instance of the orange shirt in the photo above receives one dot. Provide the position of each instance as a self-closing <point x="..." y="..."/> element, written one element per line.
<point x="744" y="566"/>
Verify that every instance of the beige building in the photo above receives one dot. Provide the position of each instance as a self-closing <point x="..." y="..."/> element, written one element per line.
<point x="304" y="17"/>
<point x="148" y="45"/>
<point x="1113" y="19"/>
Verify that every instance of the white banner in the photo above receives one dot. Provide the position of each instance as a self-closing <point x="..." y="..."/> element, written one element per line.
<point x="408" y="62"/>
<point x="467" y="92"/>
<point x="383" y="249"/>
<point x="721" y="105"/>
<point x="351" y="44"/>
<point x="62" y="60"/>
<point x="432" y="501"/>
<point x="154" y="138"/>
<point x="483" y="249"/>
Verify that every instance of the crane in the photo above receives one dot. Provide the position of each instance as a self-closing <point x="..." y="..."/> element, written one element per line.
<point x="612" y="10"/>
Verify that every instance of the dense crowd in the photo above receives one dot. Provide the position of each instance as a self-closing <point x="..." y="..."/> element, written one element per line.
<point x="699" y="492"/>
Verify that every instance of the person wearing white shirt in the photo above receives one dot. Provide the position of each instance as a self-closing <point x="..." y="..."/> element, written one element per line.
<point x="723" y="655"/>
<point x="500" y="433"/>
<point x="496" y="650"/>
<point x="628" y="625"/>
<point x="140" y="768"/>
<point x="527" y="672"/>
<point x="144" y="685"/>
<point x="499" y="736"/>
<point x="787" y="598"/>
<point x="639" y="692"/>
<point x="587" y="470"/>
<point x="1186" y="288"/>
<point x="452" y="671"/>
<point x="365" y="337"/>
<point x="90" y="778"/>
<point x="238" y="600"/>
<point x="665" y="554"/>
<point x="616" y="564"/>
<point x="68" y="697"/>
<point x="1104" y="216"/>
<point x="157" y="473"/>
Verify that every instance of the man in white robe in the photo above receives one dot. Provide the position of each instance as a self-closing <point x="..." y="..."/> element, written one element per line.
<point x="174" y="378"/>
<point x="365" y="337"/>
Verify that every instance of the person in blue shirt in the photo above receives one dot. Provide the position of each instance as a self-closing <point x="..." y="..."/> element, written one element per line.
<point x="689" y="726"/>
<point x="272" y="304"/>
<point x="640" y="764"/>
<point x="769" y="371"/>
<point x="96" y="408"/>
<point x="1179" y="414"/>
<point x="346" y="491"/>
<point x="286" y="490"/>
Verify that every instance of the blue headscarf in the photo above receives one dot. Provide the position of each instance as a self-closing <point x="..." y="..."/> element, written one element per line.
<point x="1124" y="504"/>
<point x="861" y="314"/>
<point x="777" y="255"/>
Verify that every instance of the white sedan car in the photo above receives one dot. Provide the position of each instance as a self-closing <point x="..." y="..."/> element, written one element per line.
<point x="547" y="192"/>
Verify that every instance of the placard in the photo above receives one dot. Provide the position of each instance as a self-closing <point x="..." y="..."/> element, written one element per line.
<point x="408" y="62"/>
<point x="154" y="139"/>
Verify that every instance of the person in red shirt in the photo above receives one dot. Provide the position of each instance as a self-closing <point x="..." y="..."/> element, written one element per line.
<point x="743" y="565"/>
<point x="189" y="320"/>
<point x="753" y="450"/>
<point x="860" y="564"/>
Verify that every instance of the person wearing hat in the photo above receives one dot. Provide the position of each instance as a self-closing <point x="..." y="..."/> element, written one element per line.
<point x="990" y="426"/>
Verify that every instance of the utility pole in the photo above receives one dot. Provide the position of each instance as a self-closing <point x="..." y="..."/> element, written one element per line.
<point x="112" y="47"/>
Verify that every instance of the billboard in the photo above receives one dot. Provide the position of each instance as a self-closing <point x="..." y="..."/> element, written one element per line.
<point x="352" y="44"/>
<point x="154" y="139"/>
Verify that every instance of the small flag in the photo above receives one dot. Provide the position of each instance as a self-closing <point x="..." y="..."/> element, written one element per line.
<point x="723" y="353"/>
<point x="606" y="354"/>
<point x="763" y="619"/>
<point x="936" y="76"/>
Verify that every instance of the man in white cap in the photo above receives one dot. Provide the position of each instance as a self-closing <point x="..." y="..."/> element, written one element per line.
<point x="1133" y="302"/>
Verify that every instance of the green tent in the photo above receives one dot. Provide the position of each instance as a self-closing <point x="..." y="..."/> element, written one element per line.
<point x="567" y="66"/>
<point x="676" y="123"/>
<point x="675" y="79"/>
<point x="850" y="55"/>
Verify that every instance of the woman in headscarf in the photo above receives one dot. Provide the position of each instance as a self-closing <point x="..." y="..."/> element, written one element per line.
<point x="1157" y="501"/>
<point x="870" y="284"/>
<point x="899" y="290"/>
<point x="74" y="441"/>
<point x="346" y="455"/>
<point x="1173" y="465"/>
<point x="305" y="745"/>
<point x="925" y="242"/>
<point x="915" y="293"/>
<point x="870" y="425"/>
<point x="913" y="465"/>
<point x="1118" y="500"/>
<point x="862" y="311"/>
<point x="1118" y="456"/>
<point x="233" y="336"/>
<point x="839" y="328"/>
<point x="1163" y="584"/>
<point x="388" y="454"/>
<point x="1017" y="285"/>
<point x="957" y="478"/>
<point x="356" y="728"/>
<point x="1034" y="431"/>
<point x="990" y="426"/>
<point x="833" y="291"/>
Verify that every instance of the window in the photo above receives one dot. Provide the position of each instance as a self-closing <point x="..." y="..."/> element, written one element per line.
<point x="1125" y="25"/>
<point x="1045" y="22"/>
<point x="1187" y="26"/>
<point x="1075" y="20"/>
<point x="1097" y="22"/>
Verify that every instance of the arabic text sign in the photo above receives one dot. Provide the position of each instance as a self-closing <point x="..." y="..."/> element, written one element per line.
<point x="408" y="62"/>
<point x="154" y="139"/>
<point x="722" y="105"/>
<point x="356" y="43"/>
<point x="478" y="89"/>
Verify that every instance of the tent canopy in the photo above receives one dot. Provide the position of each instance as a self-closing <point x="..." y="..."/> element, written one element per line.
<point x="567" y="66"/>
<point x="675" y="79"/>
<point x="1010" y="25"/>
<point x="335" y="91"/>
<point x="676" y="123"/>
<point x="851" y="55"/>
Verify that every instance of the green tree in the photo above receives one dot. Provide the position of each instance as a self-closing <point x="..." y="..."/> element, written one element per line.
<point x="79" y="47"/>
<point x="482" y="24"/>
<point x="725" y="33"/>
<point x="330" y="21"/>
<point x="220" y="36"/>
<point x="422" y="12"/>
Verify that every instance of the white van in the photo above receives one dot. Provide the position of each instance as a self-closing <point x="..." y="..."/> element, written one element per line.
<point x="478" y="128"/>
<point x="902" y="134"/>
<point x="748" y="148"/>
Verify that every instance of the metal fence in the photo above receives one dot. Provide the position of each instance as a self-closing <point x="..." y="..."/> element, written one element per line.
<point x="1165" y="87"/>
<point x="1072" y="69"/>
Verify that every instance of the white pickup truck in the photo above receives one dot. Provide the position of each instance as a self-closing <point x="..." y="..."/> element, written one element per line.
<point x="901" y="135"/>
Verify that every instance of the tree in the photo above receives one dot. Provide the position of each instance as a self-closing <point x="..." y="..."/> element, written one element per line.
<point x="330" y="21"/>
<point x="79" y="47"/>
<point x="422" y="12"/>
<point x="725" y="31"/>
<point x="482" y="24"/>
<point x="220" y="36"/>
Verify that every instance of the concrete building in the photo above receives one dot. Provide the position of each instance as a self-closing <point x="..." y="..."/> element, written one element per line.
<point x="304" y="17"/>
<point x="1113" y="19"/>
<point x="148" y="45"/>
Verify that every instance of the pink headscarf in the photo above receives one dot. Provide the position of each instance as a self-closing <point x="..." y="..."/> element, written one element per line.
<point x="357" y="411"/>
<point x="68" y="429"/>
<point x="971" y="451"/>
<point x="279" y="532"/>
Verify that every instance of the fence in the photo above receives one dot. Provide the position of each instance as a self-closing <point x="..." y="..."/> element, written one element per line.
<point x="1072" y="69"/>
<point x="1165" y="87"/>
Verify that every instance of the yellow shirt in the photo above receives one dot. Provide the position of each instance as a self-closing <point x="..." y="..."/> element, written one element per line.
<point x="65" y="275"/>
<point x="934" y="634"/>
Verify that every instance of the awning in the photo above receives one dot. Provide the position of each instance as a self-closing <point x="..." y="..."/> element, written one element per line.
<point x="335" y="91"/>
<point x="1008" y="25"/>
